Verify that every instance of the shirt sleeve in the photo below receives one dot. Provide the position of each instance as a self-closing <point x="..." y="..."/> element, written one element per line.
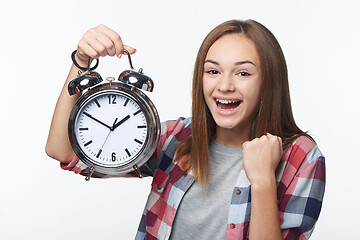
<point x="171" y="133"/>
<point x="301" y="190"/>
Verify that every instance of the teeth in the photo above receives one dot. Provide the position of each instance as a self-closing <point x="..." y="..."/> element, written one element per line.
<point x="230" y="109"/>
<point x="222" y="101"/>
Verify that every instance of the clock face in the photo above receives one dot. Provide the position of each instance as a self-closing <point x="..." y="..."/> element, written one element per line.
<point x="111" y="129"/>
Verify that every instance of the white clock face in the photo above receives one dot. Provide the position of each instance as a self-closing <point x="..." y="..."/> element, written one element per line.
<point x="111" y="129"/>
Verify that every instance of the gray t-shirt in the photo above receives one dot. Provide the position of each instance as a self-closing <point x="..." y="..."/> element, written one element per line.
<point x="202" y="213"/>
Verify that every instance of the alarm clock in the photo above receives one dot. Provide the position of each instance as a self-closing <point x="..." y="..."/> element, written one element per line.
<point x="114" y="128"/>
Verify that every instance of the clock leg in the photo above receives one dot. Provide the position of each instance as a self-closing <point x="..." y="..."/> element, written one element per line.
<point x="137" y="170"/>
<point x="91" y="171"/>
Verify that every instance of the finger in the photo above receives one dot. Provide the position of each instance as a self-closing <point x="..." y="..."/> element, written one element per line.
<point x="264" y="136"/>
<point x="108" y="44"/>
<point x="91" y="40"/>
<point x="116" y="41"/>
<point x="114" y="38"/>
<point x="131" y="50"/>
<point x="272" y="137"/>
<point x="99" y="47"/>
<point x="85" y="51"/>
<point x="106" y="41"/>
<point x="100" y="43"/>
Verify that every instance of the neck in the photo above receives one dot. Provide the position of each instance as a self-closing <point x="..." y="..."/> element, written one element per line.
<point x="231" y="137"/>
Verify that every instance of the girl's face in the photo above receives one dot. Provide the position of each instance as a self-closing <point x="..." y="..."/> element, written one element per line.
<point x="232" y="82"/>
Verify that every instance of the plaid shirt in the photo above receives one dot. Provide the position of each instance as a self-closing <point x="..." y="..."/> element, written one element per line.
<point x="300" y="181"/>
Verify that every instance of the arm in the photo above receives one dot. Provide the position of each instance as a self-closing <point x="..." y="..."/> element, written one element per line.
<point x="261" y="156"/>
<point x="58" y="144"/>
<point x="96" y="42"/>
<point x="301" y="189"/>
<point x="264" y="220"/>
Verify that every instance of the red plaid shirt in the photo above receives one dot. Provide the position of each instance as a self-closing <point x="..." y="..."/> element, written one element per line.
<point x="300" y="181"/>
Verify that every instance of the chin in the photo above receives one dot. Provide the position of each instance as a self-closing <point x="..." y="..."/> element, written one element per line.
<point x="236" y="124"/>
<point x="227" y="124"/>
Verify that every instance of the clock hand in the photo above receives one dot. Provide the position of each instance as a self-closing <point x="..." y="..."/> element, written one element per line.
<point x="121" y="122"/>
<point x="86" y="114"/>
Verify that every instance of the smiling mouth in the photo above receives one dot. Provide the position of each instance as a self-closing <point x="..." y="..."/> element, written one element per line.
<point x="227" y="104"/>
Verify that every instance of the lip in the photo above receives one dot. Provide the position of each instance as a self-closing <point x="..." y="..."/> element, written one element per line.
<point x="227" y="112"/>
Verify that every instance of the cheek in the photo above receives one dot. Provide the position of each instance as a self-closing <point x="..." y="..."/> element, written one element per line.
<point x="253" y="95"/>
<point x="207" y="89"/>
<point x="205" y="92"/>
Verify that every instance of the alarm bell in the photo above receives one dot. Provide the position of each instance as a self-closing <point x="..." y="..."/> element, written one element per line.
<point x="84" y="81"/>
<point x="136" y="78"/>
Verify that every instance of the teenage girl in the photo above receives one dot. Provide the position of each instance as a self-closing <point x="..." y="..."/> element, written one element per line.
<point x="239" y="168"/>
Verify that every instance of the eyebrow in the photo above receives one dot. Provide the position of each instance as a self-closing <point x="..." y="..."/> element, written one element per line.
<point x="236" y="63"/>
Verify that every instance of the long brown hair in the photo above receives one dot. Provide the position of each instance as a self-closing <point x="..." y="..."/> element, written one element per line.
<point x="274" y="115"/>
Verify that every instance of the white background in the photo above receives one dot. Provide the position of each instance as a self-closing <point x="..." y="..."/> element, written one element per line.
<point x="320" y="40"/>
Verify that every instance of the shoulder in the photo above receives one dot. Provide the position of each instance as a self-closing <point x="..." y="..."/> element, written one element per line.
<point x="302" y="159"/>
<point x="304" y="151"/>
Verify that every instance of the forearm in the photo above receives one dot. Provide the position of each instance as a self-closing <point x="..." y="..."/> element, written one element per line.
<point x="58" y="144"/>
<point x="264" y="220"/>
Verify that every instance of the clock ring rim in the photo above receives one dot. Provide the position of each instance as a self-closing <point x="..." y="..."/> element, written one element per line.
<point x="152" y="119"/>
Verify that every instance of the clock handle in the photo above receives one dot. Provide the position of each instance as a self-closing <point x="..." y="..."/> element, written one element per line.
<point x="130" y="62"/>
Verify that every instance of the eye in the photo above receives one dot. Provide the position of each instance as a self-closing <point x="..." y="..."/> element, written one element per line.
<point x="212" y="72"/>
<point x="243" y="74"/>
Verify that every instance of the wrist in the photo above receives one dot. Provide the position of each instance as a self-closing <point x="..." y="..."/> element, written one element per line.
<point x="263" y="182"/>
<point x="81" y="62"/>
<point x="76" y="59"/>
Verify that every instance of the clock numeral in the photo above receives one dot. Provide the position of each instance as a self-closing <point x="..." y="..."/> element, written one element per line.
<point x="113" y="157"/>
<point x="113" y="97"/>
<point x="126" y="102"/>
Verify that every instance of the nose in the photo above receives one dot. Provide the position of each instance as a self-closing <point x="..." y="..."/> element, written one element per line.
<point x="226" y="84"/>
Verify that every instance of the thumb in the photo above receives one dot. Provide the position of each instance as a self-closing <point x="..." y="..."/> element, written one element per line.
<point x="131" y="50"/>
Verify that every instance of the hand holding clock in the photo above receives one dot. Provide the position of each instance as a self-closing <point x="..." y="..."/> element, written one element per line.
<point x="100" y="41"/>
